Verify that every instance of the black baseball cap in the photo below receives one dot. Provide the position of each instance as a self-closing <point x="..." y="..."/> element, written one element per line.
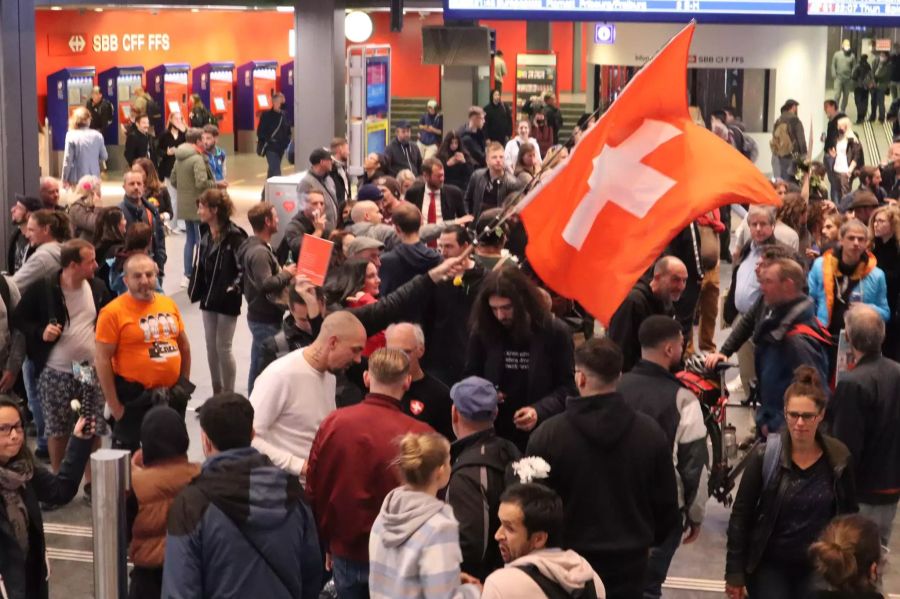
<point x="30" y="203"/>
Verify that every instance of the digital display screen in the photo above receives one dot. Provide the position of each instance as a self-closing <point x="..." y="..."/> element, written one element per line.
<point x="800" y="12"/>
<point x="376" y="141"/>
<point x="886" y="8"/>
<point x="376" y="87"/>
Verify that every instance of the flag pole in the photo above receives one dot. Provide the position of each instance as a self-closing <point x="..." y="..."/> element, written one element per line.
<point x="510" y="206"/>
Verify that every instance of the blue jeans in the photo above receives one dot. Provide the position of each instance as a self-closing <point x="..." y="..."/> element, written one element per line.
<point x="351" y="578"/>
<point x="877" y="111"/>
<point x="659" y="561"/>
<point x="883" y="516"/>
<point x="273" y="158"/>
<point x="260" y="332"/>
<point x="192" y="228"/>
<point x="34" y="402"/>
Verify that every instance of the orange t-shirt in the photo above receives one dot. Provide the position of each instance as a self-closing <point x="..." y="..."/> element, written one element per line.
<point x="145" y="335"/>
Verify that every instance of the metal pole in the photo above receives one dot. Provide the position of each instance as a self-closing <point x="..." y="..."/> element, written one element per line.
<point x="111" y="479"/>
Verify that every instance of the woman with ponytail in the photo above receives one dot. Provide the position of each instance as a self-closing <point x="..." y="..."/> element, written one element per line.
<point x="791" y="489"/>
<point x="848" y="558"/>
<point x="414" y="543"/>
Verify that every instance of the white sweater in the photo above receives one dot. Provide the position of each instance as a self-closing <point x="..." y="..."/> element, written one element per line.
<point x="290" y="399"/>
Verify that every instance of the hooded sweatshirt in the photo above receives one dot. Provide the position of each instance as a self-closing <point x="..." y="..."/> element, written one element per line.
<point x="403" y="263"/>
<point x="566" y="568"/>
<point x="414" y="549"/>
<point x="604" y="453"/>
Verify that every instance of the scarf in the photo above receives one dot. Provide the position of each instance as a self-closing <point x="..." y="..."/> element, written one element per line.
<point x="831" y="270"/>
<point x="13" y="478"/>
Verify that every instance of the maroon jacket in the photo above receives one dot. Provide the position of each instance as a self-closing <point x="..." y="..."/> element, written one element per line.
<point x="350" y="471"/>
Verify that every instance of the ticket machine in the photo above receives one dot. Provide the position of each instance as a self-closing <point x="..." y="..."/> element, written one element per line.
<point x="117" y="85"/>
<point x="286" y="86"/>
<point x="368" y="102"/>
<point x="214" y="83"/>
<point x="168" y="85"/>
<point x="255" y="86"/>
<point x="67" y="89"/>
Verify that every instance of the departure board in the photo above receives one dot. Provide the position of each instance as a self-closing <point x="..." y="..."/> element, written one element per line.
<point x="627" y="10"/>
<point x="863" y="8"/>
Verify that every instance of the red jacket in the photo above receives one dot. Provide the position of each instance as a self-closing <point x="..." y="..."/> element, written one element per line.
<point x="350" y="471"/>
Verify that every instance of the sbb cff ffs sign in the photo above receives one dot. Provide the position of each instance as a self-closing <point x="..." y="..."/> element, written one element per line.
<point x="130" y="42"/>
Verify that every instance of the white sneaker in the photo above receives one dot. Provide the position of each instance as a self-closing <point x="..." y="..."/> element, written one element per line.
<point x="185" y="281"/>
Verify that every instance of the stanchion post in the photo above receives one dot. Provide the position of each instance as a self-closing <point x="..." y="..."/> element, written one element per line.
<point x="111" y="478"/>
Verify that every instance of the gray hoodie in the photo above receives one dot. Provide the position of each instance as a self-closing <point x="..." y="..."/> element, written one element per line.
<point x="44" y="261"/>
<point x="414" y="549"/>
<point x="566" y="568"/>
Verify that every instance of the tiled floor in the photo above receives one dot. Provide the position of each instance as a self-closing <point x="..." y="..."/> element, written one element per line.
<point x="696" y="571"/>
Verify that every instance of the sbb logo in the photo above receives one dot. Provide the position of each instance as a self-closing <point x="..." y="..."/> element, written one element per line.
<point x="106" y="43"/>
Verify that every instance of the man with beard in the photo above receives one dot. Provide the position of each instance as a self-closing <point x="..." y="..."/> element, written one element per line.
<point x="656" y="296"/>
<point x="19" y="247"/>
<point x="141" y="345"/>
<point x="295" y="393"/>
<point x="519" y="346"/>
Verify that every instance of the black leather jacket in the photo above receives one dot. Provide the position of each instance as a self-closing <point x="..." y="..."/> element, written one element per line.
<point x="216" y="278"/>
<point x="756" y="508"/>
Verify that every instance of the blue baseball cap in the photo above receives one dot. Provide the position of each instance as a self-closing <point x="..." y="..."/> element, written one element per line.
<point x="369" y="192"/>
<point x="475" y="398"/>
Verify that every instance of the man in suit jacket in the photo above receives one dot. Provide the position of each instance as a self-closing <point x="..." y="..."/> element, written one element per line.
<point x="318" y="178"/>
<point x="448" y="199"/>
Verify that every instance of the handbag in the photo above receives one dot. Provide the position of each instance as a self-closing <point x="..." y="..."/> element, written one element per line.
<point x="709" y="247"/>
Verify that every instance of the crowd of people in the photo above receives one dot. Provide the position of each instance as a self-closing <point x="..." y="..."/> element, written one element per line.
<point x="432" y="421"/>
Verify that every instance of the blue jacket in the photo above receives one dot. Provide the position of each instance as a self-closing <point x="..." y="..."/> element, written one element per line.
<point x="242" y="529"/>
<point x="788" y="336"/>
<point x="873" y="287"/>
<point x="135" y="214"/>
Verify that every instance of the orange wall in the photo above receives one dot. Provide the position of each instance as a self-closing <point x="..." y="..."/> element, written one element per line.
<point x="208" y="36"/>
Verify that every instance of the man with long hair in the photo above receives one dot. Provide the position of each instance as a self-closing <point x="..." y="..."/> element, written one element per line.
<point x="519" y="346"/>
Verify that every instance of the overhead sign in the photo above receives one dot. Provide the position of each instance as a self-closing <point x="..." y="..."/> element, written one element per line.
<point x="77" y="43"/>
<point x="843" y="12"/>
<point x="69" y="44"/>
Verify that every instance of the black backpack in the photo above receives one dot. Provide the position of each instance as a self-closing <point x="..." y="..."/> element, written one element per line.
<point x="553" y="590"/>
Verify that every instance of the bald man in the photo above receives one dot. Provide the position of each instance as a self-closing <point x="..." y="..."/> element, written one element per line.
<point x="141" y="345"/>
<point x="427" y="398"/>
<point x="369" y="222"/>
<point x="656" y="296"/>
<point x="296" y="392"/>
<point x="865" y="415"/>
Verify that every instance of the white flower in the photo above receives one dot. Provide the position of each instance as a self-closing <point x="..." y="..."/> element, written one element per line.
<point x="75" y="405"/>
<point x="531" y="469"/>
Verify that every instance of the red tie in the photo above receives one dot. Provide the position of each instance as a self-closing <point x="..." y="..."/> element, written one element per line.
<point x="432" y="215"/>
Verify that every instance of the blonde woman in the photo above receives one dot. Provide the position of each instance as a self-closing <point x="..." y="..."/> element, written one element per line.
<point x="83" y="211"/>
<point x="847" y="154"/>
<point x="406" y="179"/>
<point x="84" y="149"/>
<point x="414" y="544"/>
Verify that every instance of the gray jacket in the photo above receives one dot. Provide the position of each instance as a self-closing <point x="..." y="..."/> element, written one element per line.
<point x="83" y="217"/>
<point x="842" y="65"/>
<point x="383" y="233"/>
<point x="42" y="262"/>
<point x="478" y="185"/>
<point x="310" y="182"/>
<point x="84" y="151"/>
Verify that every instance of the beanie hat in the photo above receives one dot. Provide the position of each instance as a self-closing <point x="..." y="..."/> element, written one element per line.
<point x="163" y="435"/>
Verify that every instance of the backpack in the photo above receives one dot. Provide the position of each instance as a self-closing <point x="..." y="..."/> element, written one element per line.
<point x="745" y="144"/>
<point x="781" y="143"/>
<point x="770" y="458"/>
<point x="553" y="590"/>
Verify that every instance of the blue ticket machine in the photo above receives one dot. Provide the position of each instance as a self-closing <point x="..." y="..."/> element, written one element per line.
<point x="255" y="86"/>
<point x="67" y="89"/>
<point x="167" y="84"/>
<point x="214" y="83"/>
<point x="117" y="85"/>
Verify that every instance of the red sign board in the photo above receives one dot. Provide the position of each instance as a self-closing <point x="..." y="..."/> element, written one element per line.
<point x="67" y="45"/>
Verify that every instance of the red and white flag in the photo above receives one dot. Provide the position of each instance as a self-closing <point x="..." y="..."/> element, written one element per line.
<point x="638" y="177"/>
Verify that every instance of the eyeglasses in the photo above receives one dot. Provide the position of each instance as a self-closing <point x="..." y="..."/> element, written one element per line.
<point x="805" y="416"/>
<point x="7" y="429"/>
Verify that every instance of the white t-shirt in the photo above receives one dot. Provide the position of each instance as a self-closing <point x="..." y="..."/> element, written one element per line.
<point x="76" y="344"/>
<point x="841" y="164"/>
<point x="290" y="399"/>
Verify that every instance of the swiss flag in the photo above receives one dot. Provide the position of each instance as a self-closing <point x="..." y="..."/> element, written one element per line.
<point x="637" y="178"/>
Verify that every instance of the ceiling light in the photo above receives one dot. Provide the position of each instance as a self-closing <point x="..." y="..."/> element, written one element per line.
<point x="56" y="8"/>
<point x="358" y="27"/>
<point x="284" y="9"/>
